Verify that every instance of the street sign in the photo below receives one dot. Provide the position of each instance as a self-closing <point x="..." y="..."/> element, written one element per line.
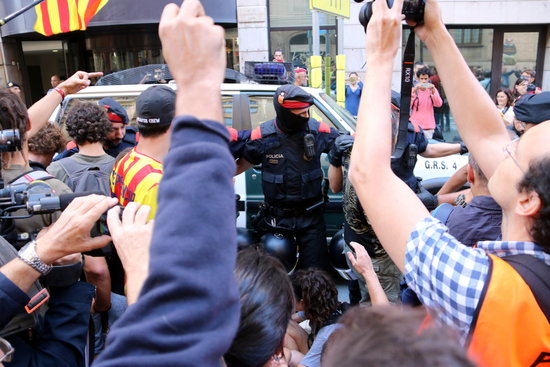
<point x="340" y="8"/>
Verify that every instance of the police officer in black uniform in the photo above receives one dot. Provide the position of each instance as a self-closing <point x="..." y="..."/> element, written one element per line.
<point x="289" y="149"/>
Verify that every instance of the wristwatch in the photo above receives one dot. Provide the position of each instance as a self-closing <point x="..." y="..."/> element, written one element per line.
<point x="29" y="256"/>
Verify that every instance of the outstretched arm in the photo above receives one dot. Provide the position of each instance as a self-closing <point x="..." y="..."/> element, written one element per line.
<point x="335" y="178"/>
<point x="40" y="112"/>
<point x="362" y="263"/>
<point x="479" y="122"/>
<point x="373" y="141"/>
<point x="441" y="150"/>
<point x="189" y="303"/>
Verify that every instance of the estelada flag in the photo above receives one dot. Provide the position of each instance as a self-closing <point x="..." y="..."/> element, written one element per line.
<point x="60" y="16"/>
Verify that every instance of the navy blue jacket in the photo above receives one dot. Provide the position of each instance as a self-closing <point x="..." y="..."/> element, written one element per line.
<point x="188" y="310"/>
<point x="480" y="220"/>
<point x="61" y="334"/>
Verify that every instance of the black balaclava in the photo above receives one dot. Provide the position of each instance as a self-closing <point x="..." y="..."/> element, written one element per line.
<point x="289" y="97"/>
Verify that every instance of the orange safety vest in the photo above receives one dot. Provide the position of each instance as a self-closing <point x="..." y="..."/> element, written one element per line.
<point x="509" y="327"/>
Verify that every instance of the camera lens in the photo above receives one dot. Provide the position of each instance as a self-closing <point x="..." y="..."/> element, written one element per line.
<point x="412" y="9"/>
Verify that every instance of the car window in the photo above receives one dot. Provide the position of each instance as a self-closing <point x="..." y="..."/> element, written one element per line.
<point x="261" y="109"/>
<point x="128" y="102"/>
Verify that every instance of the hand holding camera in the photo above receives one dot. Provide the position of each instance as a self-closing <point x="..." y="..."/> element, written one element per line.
<point x="71" y="232"/>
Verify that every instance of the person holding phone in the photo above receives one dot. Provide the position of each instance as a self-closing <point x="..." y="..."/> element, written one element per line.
<point x="424" y="97"/>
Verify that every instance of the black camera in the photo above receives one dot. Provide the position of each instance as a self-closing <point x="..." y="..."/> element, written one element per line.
<point x="412" y="9"/>
<point x="38" y="198"/>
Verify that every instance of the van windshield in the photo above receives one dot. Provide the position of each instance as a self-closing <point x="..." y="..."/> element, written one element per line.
<point x="341" y="111"/>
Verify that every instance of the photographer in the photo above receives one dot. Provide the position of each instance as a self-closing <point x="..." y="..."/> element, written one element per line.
<point x="424" y="97"/>
<point x="15" y="162"/>
<point x="495" y="295"/>
<point x="60" y="337"/>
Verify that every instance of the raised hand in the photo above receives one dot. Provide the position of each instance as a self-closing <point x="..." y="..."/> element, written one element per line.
<point x="384" y="30"/>
<point x="78" y="81"/>
<point x="132" y="239"/>
<point x="71" y="232"/>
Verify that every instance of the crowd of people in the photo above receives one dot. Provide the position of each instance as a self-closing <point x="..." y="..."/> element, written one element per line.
<point x="167" y="284"/>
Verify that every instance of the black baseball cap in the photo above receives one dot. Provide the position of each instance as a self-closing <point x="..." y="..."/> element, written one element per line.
<point x="12" y="84"/>
<point x="156" y="106"/>
<point x="533" y="108"/>
<point x="115" y="111"/>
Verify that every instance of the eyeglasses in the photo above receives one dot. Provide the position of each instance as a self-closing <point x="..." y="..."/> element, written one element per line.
<point x="6" y="351"/>
<point x="511" y="149"/>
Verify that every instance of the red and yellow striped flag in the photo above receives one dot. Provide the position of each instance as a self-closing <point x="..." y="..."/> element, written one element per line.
<point x="60" y="16"/>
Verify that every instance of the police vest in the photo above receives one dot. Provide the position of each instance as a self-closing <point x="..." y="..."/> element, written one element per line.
<point x="511" y="326"/>
<point x="289" y="179"/>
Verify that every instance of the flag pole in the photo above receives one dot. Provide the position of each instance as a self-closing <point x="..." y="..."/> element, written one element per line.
<point x="19" y="12"/>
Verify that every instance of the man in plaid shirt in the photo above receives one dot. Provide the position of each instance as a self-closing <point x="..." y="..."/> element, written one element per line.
<point x="500" y="309"/>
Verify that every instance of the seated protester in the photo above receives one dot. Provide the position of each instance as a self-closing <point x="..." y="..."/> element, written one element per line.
<point x="317" y="296"/>
<point x="320" y="290"/>
<point x="120" y="136"/>
<point x="48" y="141"/>
<point x="16" y="170"/>
<point x="480" y="219"/>
<point x="495" y="295"/>
<point x="266" y="305"/>
<point x="392" y="336"/>
<point x="60" y="336"/>
<point x="135" y="176"/>
<point x="89" y="169"/>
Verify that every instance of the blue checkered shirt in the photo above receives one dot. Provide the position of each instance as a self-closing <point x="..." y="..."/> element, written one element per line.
<point x="449" y="277"/>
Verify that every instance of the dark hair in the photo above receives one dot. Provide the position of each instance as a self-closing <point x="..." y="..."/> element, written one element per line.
<point x="13" y="113"/>
<point x="530" y="72"/>
<point x="47" y="140"/>
<point x="424" y="71"/>
<point x="266" y="306"/>
<point x="152" y="130"/>
<point x="319" y="294"/>
<point x="473" y="163"/>
<point x="537" y="178"/>
<point x="519" y="80"/>
<point x="391" y="336"/>
<point x="353" y="72"/>
<point x="88" y="123"/>
<point x="508" y="94"/>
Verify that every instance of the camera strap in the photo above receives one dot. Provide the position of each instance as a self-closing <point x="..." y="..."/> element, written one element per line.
<point x="406" y="87"/>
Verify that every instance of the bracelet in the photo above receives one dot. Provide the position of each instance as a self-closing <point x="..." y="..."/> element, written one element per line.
<point x="61" y="93"/>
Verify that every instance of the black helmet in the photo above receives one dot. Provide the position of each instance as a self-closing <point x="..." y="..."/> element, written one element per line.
<point x="336" y="250"/>
<point x="281" y="247"/>
<point x="245" y="238"/>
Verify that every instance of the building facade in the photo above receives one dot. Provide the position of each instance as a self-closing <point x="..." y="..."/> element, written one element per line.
<point x="498" y="39"/>
<point x="122" y="35"/>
